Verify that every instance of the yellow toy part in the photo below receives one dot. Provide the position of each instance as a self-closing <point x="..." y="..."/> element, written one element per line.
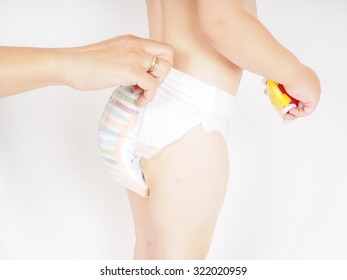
<point x="279" y="98"/>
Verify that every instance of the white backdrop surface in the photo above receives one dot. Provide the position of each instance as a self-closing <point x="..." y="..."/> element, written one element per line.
<point x="288" y="186"/>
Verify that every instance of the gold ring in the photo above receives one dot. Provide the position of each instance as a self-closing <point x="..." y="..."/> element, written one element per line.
<point x="154" y="64"/>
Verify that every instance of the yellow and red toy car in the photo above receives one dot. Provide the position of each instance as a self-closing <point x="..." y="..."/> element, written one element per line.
<point x="279" y="97"/>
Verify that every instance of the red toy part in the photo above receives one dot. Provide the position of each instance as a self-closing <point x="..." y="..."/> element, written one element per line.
<point x="292" y="99"/>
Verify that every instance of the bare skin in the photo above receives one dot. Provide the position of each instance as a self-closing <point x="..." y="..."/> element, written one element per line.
<point x="188" y="178"/>
<point x="251" y="46"/>
<point x="123" y="60"/>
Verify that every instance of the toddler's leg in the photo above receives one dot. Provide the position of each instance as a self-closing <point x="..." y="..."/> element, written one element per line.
<point x="187" y="180"/>
<point x="145" y="244"/>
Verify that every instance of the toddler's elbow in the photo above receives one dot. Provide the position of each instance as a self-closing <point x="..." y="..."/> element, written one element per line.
<point x="215" y="30"/>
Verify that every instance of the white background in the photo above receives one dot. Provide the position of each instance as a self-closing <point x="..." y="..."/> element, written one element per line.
<point x="288" y="187"/>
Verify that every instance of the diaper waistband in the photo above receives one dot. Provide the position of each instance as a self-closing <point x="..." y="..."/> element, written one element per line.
<point x="179" y="85"/>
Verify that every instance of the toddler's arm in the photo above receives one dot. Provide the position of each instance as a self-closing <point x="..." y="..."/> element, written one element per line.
<point x="242" y="38"/>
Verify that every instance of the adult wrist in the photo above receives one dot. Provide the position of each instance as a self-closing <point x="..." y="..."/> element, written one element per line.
<point x="61" y="66"/>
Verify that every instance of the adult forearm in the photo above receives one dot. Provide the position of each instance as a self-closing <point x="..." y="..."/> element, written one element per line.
<point x="23" y="69"/>
<point x="123" y="60"/>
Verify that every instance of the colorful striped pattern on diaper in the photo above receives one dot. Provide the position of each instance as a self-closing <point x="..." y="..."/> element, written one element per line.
<point x="118" y="128"/>
<point x="119" y="110"/>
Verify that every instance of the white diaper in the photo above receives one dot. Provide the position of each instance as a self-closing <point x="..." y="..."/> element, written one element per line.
<point x="127" y="133"/>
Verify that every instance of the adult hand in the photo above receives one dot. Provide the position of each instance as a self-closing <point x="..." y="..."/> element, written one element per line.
<point x="124" y="60"/>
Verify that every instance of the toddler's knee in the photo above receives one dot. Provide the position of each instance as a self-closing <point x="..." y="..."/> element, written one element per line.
<point x="145" y="249"/>
<point x="145" y="240"/>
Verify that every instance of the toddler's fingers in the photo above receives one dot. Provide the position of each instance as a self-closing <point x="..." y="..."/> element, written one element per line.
<point x="289" y="117"/>
<point x="296" y="112"/>
<point x="301" y="110"/>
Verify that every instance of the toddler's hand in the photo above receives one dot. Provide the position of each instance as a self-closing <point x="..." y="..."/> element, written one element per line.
<point x="307" y="91"/>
